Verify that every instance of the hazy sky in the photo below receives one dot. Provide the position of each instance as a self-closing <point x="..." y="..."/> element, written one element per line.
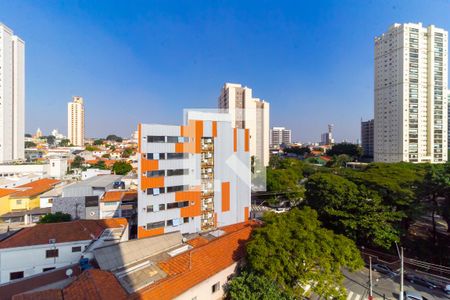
<point x="144" y="61"/>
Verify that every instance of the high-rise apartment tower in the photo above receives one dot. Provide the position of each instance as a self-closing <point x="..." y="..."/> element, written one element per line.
<point x="411" y="77"/>
<point x="280" y="135"/>
<point x="12" y="95"/>
<point x="75" y="121"/>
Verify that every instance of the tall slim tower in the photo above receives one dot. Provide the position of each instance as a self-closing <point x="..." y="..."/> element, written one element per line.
<point x="12" y="95"/>
<point x="411" y="77"/>
<point x="251" y="113"/>
<point x="75" y="121"/>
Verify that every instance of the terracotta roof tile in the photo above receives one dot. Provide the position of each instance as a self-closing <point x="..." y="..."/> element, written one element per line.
<point x="40" y="295"/>
<point x="36" y="187"/>
<point x="190" y="268"/>
<point x="6" y="192"/>
<point x="198" y="241"/>
<point x="112" y="196"/>
<point x="63" y="232"/>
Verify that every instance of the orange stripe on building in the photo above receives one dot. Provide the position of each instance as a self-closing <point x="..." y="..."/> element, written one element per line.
<point x="215" y="219"/>
<point x="247" y="140"/>
<point x="194" y="130"/>
<point x="143" y="233"/>
<point x="225" y="196"/>
<point x="235" y="139"/>
<point x="139" y="137"/>
<point x="214" y="128"/>
<point x="149" y="165"/>
<point x="198" y="136"/>
<point x="147" y="183"/>
<point x="194" y="208"/>
<point x="246" y="214"/>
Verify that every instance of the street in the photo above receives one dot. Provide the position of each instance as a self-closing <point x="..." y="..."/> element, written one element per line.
<point x="357" y="285"/>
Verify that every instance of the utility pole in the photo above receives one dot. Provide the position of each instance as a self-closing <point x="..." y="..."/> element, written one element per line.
<point x="401" y="273"/>
<point x="370" y="278"/>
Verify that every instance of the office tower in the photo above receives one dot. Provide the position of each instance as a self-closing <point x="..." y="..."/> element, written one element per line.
<point x="279" y="135"/>
<point x="251" y="113"/>
<point x="367" y="128"/>
<point x="195" y="177"/>
<point x="411" y="77"/>
<point x="12" y="95"/>
<point x="327" y="137"/>
<point x="75" y="121"/>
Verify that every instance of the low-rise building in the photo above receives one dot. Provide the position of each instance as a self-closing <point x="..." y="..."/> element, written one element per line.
<point x="45" y="247"/>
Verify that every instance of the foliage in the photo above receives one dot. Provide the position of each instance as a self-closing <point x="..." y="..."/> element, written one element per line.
<point x="106" y="155"/>
<point x="250" y="286"/>
<point x="293" y="250"/>
<point x="352" y="210"/>
<point x="91" y="148"/>
<point x="51" y="140"/>
<point x="127" y="153"/>
<point x="56" y="218"/>
<point x="351" y="150"/>
<point x="64" y="142"/>
<point x="78" y="162"/>
<point x="339" y="161"/>
<point x="98" y="142"/>
<point x="114" y="138"/>
<point x="121" y="168"/>
<point x="28" y="135"/>
<point x="30" y="144"/>
<point x="297" y="150"/>
<point x="100" y="165"/>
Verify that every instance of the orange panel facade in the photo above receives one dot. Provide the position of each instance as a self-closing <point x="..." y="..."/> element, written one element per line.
<point x="194" y="130"/>
<point x="235" y="139"/>
<point x="194" y="208"/>
<point x="247" y="140"/>
<point x="143" y="233"/>
<point x="246" y="213"/>
<point x="155" y="182"/>
<point x="225" y="196"/>
<point x="214" y="128"/>
<point x="149" y="165"/>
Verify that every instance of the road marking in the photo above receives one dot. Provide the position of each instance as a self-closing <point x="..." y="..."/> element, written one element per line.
<point x="349" y="297"/>
<point x="357" y="297"/>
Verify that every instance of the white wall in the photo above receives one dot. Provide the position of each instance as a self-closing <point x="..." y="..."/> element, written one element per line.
<point x="31" y="260"/>
<point x="203" y="290"/>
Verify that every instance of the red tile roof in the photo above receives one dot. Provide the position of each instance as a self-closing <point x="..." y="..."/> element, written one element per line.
<point x="114" y="196"/>
<point x="36" y="187"/>
<point x="79" y="230"/>
<point x="198" y="241"/>
<point x="6" y="192"/>
<point x="40" y="295"/>
<point x="191" y="268"/>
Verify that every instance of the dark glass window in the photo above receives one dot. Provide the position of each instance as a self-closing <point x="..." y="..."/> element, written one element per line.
<point x="15" y="275"/>
<point x="177" y="172"/>
<point x="51" y="253"/>
<point x="156" y="139"/>
<point x="155" y="225"/>
<point x="157" y="173"/>
<point x="76" y="249"/>
<point x="48" y="269"/>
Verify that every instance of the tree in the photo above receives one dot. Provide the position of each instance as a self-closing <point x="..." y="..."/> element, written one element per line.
<point x="30" y="144"/>
<point x="352" y="210"/>
<point x="78" y="162"/>
<point x="28" y="135"/>
<point x="339" y="161"/>
<point x="127" y="153"/>
<point x="64" y="142"/>
<point x="56" y="218"/>
<point x="51" y="140"/>
<point x="114" y="138"/>
<point x="121" y="168"/>
<point x="106" y="155"/>
<point x="297" y="150"/>
<point x="351" y="150"/>
<point x="294" y="251"/>
<point x="285" y="182"/>
<point x="98" y="142"/>
<point x="249" y="286"/>
<point x="91" y="148"/>
<point x="100" y="165"/>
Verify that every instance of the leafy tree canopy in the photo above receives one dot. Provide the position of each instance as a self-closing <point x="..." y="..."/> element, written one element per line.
<point x="121" y="168"/>
<point x="91" y="148"/>
<point x="64" y="142"/>
<point x="115" y="138"/>
<point x="297" y="150"/>
<point x="294" y="251"/>
<point x="98" y="142"/>
<point x="351" y="150"/>
<point x="30" y="144"/>
<point x="249" y="286"/>
<point x="78" y="162"/>
<point x="56" y="218"/>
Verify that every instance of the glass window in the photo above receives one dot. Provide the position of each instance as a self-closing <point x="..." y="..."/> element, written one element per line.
<point x="162" y="207"/>
<point x="51" y="253"/>
<point x="76" y="249"/>
<point x="215" y="287"/>
<point x="156" y="139"/>
<point x="48" y="269"/>
<point x="15" y="275"/>
<point x="158" y="173"/>
<point x="177" y="172"/>
<point x="155" y="225"/>
<point x="149" y="208"/>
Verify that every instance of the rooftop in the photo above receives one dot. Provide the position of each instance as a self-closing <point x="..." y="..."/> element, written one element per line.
<point x="118" y="195"/>
<point x="35" y="188"/>
<point x="80" y="230"/>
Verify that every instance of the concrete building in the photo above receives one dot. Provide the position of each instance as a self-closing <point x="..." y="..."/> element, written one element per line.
<point x="411" y="77"/>
<point x="75" y="121"/>
<point x="56" y="167"/>
<point x="367" y="128"/>
<point x="327" y="137"/>
<point x="45" y="247"/>
<point x="249" y="113"/>
<point x="12" y="95"/>
<point x="195" y="177"/>
<point x="280" y="135"/>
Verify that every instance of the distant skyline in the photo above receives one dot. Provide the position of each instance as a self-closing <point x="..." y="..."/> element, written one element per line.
<point x="144" y="61"/>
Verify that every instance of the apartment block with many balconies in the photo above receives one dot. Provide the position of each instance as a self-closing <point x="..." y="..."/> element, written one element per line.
<point x="195" y="177"/>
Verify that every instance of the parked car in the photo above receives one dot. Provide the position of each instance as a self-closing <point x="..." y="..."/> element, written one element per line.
<point x="421" y="281"/>
<point x="411" y="295"/>
<point x="384" y="270"/>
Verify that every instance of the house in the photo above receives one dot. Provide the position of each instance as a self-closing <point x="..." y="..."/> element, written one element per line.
<point x="160" y="267"/>
<point x="45" y="247"/>
<point x="4" y="200"/>
<point x="119" y="203"/>
<point x="93" y="172"/>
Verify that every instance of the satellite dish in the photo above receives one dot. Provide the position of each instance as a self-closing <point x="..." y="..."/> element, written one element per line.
<point x="69" y="272"/>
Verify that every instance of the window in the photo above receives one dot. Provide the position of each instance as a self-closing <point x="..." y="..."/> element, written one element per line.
<point x="215" y="287"/>
<point x="15" y="275"/>
<point x="177" y="188"/>
<point x="177" y="172"/>
<point x="177" y="204"/>
<point x="51" y="253"/>
<point x="48" y="269"/>
<point x="177" y="155"/>
<point x="76" y="249"/>
<point x="155" y="225"/>
<point x="162" y="207"/>
<point x="156" y="139"/>
<point x="157" y="173"/>
<point x="19" y="202"/>
<point x="155" y="191"/>
<point x="149" y="208"/>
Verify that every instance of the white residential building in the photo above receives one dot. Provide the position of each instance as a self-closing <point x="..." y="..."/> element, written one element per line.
<point x="280" y="135"/>
<point x="75" y="121"/>
<point x="251" y="113"/>
<point x="411" y="77"/>
<point x="45" y="247"/>
<point x="12" y="95"/>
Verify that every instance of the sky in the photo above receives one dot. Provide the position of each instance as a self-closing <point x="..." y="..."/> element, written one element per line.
<point x="145" y="61"/>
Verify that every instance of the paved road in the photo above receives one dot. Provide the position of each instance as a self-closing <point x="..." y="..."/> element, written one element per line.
<point x="357" y="285"/>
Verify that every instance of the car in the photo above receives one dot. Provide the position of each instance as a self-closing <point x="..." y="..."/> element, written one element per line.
<point x="421" y="281"/>
<point x="384" y="270"/>
<point x="446" y="289"/>
<point x="411" y="295"/>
